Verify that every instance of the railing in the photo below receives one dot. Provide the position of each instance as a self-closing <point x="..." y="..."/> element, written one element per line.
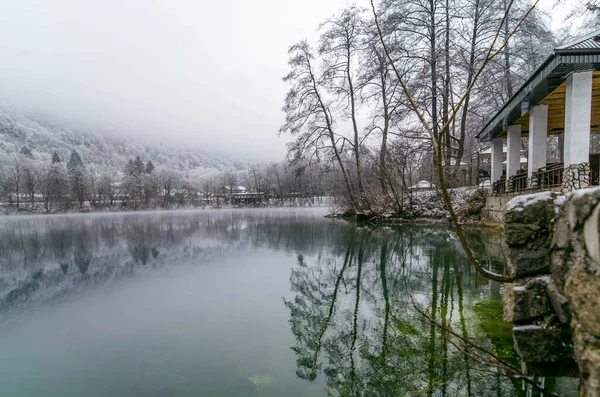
<point x="499" y="186"/>
<point x="518" y="182"/>
<point x="545" y="177"/>
<point x="550" y="175"/>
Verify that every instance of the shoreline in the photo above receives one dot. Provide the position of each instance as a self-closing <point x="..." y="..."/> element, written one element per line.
<point x="378" y="220"/>
<point x="358" y="219"/>
<point x="151" y="210"/>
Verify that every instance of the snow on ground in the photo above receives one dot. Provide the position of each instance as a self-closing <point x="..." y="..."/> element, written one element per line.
<point x="582" y="192"/>
<point x="559" y="201"/>
<point x="430" y="204"/>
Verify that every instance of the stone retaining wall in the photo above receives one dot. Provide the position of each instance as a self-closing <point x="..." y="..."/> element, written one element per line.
<point x="495" y="206"/>
<point x="576" y="176"/>
<point x="554" y="303"/>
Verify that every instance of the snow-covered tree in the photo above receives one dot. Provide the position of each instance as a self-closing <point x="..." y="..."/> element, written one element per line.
<point x="58" y="184"/>
<point x="26" y="152"/>
<point x="138" y="166"/>
<point x="55" y="158"/>
<point x="105" y="190"/>
<point x="129" y="168"/>
<point x="149" y="167"/>
<point x="76" y="173"/>
<point x="30" y="179"/>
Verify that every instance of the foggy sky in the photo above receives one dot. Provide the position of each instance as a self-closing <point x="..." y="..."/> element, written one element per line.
<point x="206" y="74"/>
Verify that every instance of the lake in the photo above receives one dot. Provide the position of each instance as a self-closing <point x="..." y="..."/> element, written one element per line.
<point x="234" y="303"/>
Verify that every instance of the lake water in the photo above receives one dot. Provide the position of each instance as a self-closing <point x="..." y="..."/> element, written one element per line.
<point x="238" y="303"/>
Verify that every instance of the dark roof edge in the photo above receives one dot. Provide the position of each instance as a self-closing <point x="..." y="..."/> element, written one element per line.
<point x="518" y="93"/>
<point x="518" y="96"/>
<point x="578" y="51"/>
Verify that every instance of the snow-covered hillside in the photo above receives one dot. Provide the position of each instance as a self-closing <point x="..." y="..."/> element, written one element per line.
<point x="99" y="153"/>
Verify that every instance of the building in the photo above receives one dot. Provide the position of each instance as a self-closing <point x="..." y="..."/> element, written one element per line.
<point x="562" y="98"/>
<point x="248" y="199"/>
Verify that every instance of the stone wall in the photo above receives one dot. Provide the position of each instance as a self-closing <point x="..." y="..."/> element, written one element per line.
<point x="495" y="206"/>
<point x="576" y="260"/>
<point x="576" y="176"/>
<point x="554" y="302"/>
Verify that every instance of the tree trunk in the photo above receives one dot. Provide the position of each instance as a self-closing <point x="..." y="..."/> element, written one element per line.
<point x="386" y="123"/>
<point x="331" y="134"/>
<point x="361" y="190"/>
<point x="433" y="65"/>
<point x="509" y="88"/>
<point x="446" y="97"/>
<point x="471" y="72"/>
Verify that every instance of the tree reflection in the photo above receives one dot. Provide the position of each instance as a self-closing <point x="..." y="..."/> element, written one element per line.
<point x="82" y="260"/>
<point x="310" y="309"/>
<point x="82" y="251"/>
<point x="354" y="323"/>
<point x="351" y="313"/>
<point x="76" y="252"/>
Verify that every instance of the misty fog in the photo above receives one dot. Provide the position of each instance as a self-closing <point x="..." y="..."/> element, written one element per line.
<point x="202" y="74"/>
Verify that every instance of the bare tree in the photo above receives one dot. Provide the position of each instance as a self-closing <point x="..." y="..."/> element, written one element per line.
<point x="495" y="47"/>
<point x="309" y="117"/>
<point x="339" y="48"/>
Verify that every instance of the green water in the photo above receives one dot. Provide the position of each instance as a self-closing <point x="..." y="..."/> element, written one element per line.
<point x="238" y="303"/>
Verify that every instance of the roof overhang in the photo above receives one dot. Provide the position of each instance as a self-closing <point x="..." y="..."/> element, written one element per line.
<point x="551" y="75"/>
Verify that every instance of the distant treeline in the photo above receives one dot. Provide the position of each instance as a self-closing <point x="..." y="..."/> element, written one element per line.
<point x="60" y="185"/>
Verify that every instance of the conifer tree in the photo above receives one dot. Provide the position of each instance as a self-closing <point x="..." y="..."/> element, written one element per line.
<point x="129" y="168"/>
<point x="149" y="167"/>
<point x="25" y="151"/>
<point x="139" y="167"/>
<point x="58" y="185"/>
<point x="76" y="173"/>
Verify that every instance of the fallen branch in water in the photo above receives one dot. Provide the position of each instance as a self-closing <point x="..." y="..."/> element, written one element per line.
<point x="478" y="353"/>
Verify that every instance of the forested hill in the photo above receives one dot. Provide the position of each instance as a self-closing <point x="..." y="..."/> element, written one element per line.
<point x="100" y="154"/>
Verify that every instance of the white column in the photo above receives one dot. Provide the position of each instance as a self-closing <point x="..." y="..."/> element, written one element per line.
<point x="578" y="118"/>
<point x="513" y="150"/>
<point x="497" y="158"/>
<point x="538" y="133"/>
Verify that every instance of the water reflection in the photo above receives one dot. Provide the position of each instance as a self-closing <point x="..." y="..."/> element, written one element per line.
<point x="44" y="258"/>
<point x="225" y="332"/>
<point x="355" y="323"/>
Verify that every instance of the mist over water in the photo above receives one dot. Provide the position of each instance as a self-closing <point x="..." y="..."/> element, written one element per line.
<point x="237" y="303"/>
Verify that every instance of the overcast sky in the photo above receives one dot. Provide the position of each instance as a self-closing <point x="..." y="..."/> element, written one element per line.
<point x="206" y="74"/>
<point x="203" y="73"/>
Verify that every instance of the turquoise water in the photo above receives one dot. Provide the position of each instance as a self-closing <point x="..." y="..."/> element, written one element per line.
<point x="237" y="303"/>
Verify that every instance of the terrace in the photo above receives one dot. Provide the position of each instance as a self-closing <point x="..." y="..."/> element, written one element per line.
<point x="560" y="101"/>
